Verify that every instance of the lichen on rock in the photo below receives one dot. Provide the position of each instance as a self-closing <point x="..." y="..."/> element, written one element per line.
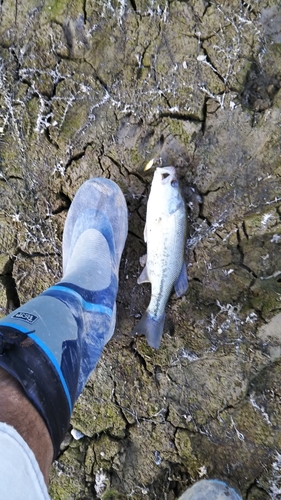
<point x="99" y="89"/>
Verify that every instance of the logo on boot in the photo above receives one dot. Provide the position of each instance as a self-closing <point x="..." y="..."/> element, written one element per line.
<point x="24" y="316"/>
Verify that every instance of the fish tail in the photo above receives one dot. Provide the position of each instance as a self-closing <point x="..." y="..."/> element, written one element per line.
<point x="151" y="328"/>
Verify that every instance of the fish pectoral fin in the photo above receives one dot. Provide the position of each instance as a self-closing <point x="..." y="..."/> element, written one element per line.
<point x="181" y="284"/>
<point x="143" y="278"/>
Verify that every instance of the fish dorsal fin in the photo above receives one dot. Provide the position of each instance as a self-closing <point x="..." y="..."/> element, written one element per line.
<point x="144" y="276"/>
<point x="181" y="284"/>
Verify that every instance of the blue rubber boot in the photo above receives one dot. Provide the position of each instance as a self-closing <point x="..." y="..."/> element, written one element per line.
<point x="52" y="343"/>
<point x="211" y="489"/>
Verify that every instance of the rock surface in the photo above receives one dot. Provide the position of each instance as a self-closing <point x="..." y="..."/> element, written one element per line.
<point x="98" y="89"/>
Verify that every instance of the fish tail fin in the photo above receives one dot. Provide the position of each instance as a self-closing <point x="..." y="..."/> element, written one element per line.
<point x="151" y="328"/>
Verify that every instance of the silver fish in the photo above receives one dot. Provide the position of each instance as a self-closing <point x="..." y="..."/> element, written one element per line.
<point x="165" y="235"/>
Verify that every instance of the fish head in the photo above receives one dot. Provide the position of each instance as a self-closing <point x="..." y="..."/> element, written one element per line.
<point x="165" y="175"/>
<point x="165" y="190"/>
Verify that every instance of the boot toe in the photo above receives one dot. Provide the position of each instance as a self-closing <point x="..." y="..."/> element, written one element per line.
<point x="211" y="489"/>
<point x="98" y="203"/>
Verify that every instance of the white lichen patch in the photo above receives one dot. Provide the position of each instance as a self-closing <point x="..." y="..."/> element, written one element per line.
<point x="231" y="314"/>
<point x="251" y="318"/>
<point x="202" y="471"/>
<point x="101" y="480"/>
<point x="276" y="238"/>
<point x="259" y="409"/>
<point x="266" y="218"/>
<point x="238" y="433"/>
<point x="275" y="483"/>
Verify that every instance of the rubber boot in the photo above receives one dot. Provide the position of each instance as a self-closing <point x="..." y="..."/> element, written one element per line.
<point x="211" y="489"/>
<point x="52" y="343"/>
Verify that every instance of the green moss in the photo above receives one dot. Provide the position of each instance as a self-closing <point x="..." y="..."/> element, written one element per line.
<point x="177" y="128"/>
<point x="264" y="296"/>
<point x="113" y="495"/>
<point x="184" y="447"/>
<point x="55" y="9"/>
<point x="74" y="120"/>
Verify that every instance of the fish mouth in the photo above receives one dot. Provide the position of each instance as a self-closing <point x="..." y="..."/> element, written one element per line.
<point x="168" y="175"/>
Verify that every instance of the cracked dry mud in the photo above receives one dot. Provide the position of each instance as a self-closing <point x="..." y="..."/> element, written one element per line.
<point x="98" y="89"/>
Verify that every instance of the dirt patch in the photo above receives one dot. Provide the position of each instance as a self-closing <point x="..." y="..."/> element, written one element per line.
<point x="99" y="89"/>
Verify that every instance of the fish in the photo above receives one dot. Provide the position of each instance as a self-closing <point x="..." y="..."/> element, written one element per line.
<point x="165" y="236"/>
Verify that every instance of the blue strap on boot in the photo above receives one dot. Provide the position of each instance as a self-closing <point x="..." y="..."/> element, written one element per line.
<point x="52" y="343"/>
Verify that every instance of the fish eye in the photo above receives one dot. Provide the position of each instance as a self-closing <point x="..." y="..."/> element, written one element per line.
<point x="174" y="183"/>
<point x="165" y="175"/>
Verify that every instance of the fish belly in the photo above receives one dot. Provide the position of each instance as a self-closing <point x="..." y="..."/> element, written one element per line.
<point x="165" y="244"/>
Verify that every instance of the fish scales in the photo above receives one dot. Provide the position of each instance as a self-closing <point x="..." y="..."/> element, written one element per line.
<point x="165" y="235"/>
<point x="164" y="261"/>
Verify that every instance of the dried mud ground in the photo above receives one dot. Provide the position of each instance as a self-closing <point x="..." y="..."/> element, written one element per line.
<point x="98" y="89"/>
